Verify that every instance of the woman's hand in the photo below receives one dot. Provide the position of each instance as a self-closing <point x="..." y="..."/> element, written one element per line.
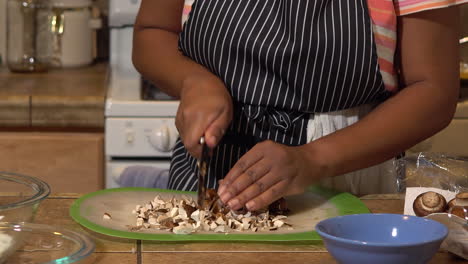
<point x="266" y="173"/>
<point x="205" y="109"/>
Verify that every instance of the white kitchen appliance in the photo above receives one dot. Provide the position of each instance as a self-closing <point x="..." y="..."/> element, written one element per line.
<point x="139" y="127"/>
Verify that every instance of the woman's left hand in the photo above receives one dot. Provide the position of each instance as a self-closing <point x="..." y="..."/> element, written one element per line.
<point x="266" y="173"/>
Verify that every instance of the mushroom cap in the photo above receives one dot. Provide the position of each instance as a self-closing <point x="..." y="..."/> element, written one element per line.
<point x="462" y="195"/>
<point x="460" y="211"/>
<point x="428" y="203"/>
<point x="459" y="205"/>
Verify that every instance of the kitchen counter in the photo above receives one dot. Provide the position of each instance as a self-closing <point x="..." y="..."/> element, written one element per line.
<point x="59" y="98"/>
<point x="462" y="107"/>
<point x="54" y="211"/>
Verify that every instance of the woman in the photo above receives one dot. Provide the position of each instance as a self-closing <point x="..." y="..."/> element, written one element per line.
<point x="289" y="93"/>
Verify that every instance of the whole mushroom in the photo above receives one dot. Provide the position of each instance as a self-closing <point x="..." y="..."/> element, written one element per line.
<point x="459" y="205"/>
<point x="428" y="203"/>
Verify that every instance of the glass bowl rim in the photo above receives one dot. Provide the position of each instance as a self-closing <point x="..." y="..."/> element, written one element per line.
<point x="87" y="246"/>
<point x="42" y="189"/>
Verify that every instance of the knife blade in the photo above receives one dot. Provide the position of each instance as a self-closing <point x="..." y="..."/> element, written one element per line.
<point x="202" y="172"/>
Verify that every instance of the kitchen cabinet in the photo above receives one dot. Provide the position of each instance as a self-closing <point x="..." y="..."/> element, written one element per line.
<point x="68" y="162"/>
<point x="52" y="126"/>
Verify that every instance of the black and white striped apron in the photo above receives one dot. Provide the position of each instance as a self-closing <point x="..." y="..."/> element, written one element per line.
<point x="282" y="61"/>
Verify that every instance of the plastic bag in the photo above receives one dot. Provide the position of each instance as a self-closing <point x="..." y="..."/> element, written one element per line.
<point x="436" y="170"/>
<point x="445" y="175"/>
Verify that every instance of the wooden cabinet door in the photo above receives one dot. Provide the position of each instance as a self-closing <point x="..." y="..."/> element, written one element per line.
<point x="68" y="162"/>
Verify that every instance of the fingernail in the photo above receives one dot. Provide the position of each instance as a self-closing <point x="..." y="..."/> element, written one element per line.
<point x="234" y="204"/>
<point x="225" y="197"/>
<point x="221" y="190"/>
<point x="250" y="206"/>
<point x="214" y="139"/>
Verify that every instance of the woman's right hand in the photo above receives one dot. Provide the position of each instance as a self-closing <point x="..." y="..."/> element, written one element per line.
<point x="205" y="109"/>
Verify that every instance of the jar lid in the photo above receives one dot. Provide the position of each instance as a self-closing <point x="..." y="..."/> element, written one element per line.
<point x="70" y="3"/>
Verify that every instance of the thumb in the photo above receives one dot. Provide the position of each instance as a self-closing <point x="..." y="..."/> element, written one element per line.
<point x="217" y="128"/>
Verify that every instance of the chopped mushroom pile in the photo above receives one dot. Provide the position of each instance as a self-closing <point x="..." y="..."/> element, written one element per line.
<point x="181" y="216"/>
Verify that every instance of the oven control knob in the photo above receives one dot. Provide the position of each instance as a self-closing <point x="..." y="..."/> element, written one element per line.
<point x="162" y="139"/>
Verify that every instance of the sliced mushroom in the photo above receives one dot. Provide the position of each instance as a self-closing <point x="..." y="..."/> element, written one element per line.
<point x="220" y="221"/>
<point x="428" y="203"/>
<point x="182" y="213"/>
<point x="181" y="216"/>
<point x="174" y="211"/>
<point x="106" y="216"/>
<point x="183" y="229"/>
<point x="220" y="229"/>
<point x="278" y="223"/>
<point x="189" y="209"/>
<point x="139" y="222"/>
<point x="213" y="226"/>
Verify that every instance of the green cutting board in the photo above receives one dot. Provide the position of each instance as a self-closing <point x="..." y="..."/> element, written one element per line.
<point x="306" y="211"/>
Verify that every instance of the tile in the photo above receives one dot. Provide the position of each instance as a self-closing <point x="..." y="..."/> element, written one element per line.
<point x="390" y="196"/>
<point x="73" y="97"/>
<point x="73" y="82"/>
<point x="106" y="244"/>
<point x="385" y="206"/>
<point x="82" y="81"/>
<point x="15" y="111"/>
<point x="64" y="196"/>
<point x="148" y="246"/>
<point x="228" y="258"/>
<point x="55" y="212"/>
<point x="462" y="109"/>
<point x="113" y="258"/>
<point x="67" y="111"/>
<point x="444" y="257"/>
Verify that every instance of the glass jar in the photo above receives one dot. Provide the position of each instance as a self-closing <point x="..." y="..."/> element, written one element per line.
<point x="27" y="36"/>
<point x="72" y="31"/>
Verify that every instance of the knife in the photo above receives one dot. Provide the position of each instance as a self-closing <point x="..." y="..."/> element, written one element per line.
<point x="202" y="172"/>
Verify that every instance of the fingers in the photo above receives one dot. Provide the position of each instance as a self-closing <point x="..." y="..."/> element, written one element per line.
<point x="179" y="121"/>
<point x="255" y="189"/>
<point x="244" y="163"/>
<point x="253" y="178"/>
<point x="193" y="124"/>
<point x="218" y="127"/>
<point x="266" y="173"/>
<point x="266" y="198"/>
<point x="197" y="118"/>
<point x="189" y="132"/>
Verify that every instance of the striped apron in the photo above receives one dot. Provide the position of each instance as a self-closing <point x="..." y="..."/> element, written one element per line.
<point x="284" y="62"/>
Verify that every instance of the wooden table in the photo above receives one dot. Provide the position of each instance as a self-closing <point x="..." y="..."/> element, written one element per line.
<point x="54" y="211"/>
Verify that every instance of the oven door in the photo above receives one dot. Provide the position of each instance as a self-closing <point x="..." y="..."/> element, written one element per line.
<point x="137" y="173"/>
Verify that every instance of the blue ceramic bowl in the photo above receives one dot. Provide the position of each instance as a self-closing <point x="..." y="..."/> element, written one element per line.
<point x="381" y="238"/>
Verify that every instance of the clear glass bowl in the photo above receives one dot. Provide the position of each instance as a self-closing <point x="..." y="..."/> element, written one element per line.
<point x="22" y="243"/>
<point x="20" y="196"/>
